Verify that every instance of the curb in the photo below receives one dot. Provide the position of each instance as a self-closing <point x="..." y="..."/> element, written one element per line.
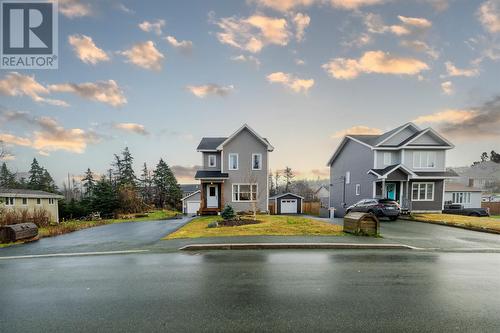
<point x="478" y="229"/>
<point x="280" y="246"/>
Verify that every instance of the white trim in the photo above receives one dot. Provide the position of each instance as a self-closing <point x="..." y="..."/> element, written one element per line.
<point x="222" y="161"/>
<point x="375" y="159"/>
<point x="358" y="189"/>
<point x="267" y="144"/>
<point x="274" y="197"/>
<point x="399" y="130"/>
<point x="374" y="190"/>
<point x="214" y="160"/>
<point x="207" y="150"/>
<point x="229" y="161"/>
<point x="429" y="129"/>
<point x="359" y="141"/>
<point x="13" y="199"/>
<point x="413" y="174"/>
<point x="427" y="159"/>
<point x="260" y="161"/>
<point x="418" y="191"/>
<point x="190" y="195"/>
<point x="250" y="184"/>
<point x="347" y="179"/>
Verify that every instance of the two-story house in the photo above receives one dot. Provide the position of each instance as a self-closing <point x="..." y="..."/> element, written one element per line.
<point x="234" y="171"/>
<point x="406" y="164"/>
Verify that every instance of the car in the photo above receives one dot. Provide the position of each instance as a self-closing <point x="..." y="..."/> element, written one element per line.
<point x="457" y="209"/>
<point x="379" y="207"/>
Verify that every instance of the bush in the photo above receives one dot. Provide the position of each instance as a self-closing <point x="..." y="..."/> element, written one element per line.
<point x="228" y="213"/>
<point x="213" y="224"/>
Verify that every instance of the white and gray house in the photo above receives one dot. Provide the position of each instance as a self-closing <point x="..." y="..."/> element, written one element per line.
<point x="234" y="171"/>
<point x="406" y="164"/>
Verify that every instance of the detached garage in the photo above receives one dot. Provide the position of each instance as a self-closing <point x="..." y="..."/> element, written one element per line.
<point x="191" y="203"/>
<point x="286" y="203"/>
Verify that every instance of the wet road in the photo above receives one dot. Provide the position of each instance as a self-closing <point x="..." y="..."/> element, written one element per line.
<point x="253" y="291"/>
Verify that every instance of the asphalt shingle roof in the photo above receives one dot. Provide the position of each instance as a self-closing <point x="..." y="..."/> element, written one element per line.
<point x="210" y="143"/>
<point x="200" y="174"/>
<point x="25" y="192"/>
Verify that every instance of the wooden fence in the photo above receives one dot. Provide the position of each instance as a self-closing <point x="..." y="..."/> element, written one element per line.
<point x="311" y="207"/>
<point x="493" y="206"/>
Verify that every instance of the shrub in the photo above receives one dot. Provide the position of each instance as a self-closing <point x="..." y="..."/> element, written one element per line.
<point x="41" y="217"/>
<point x="228" y="213"/>
<point x="213" y="224"/>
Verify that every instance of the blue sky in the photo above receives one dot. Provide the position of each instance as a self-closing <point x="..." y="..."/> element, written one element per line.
<point x="300" y="72"/>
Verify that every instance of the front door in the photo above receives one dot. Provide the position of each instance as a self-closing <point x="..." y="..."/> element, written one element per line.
<point x="212" y="196"/>
<point x="390" y="189"/>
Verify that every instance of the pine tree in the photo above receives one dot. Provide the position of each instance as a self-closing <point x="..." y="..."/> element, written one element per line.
<point x="127" y="173"/>
<point x="35" y="176"/>
<point x="104" y="200"/>
<point x="47" y="182"/>
<point x="168" y="191"/>
<point x="288" y="174"/>
<point x="88" y="183"/>
<point x="146" y="183"/>
<point x="7" y="178"/>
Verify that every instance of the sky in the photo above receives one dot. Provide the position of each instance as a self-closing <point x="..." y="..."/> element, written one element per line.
<point x="156" y="76"/>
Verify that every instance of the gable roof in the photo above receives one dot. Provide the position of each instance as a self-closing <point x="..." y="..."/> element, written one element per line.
<point x="387" y="135"/>
<point x="217" y="143"/>
<point x="245" y="126"/>
<point x="188" y="188"/>
<point x="18" y="193"/>
<point x="190" y="195"/>
<point x="210" y="144"/>
<point x="382" y="173"/>
<point x="457" y="187"/>
<point x="283" y="194"/>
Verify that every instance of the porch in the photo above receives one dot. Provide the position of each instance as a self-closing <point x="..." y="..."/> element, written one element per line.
<point x="212" y="197"/>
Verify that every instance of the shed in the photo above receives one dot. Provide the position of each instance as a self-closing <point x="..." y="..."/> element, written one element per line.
<point x="287" y="203"/>
<point x="191" y="203"/>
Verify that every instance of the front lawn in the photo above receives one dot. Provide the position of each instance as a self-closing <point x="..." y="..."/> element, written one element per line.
<point x="471" y="222"/>
<point x="271" y="225"/>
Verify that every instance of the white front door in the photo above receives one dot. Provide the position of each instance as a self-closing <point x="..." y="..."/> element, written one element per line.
<point x="212" y="196"/>
<point x="289" y="206"/>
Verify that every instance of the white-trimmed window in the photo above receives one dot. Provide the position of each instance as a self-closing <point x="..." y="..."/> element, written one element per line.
<point x="244" y="192"/>
<point x="24" y="201"/>
<point x="348" y="177"/>
<point x="358" y="189"/>
<point x="233" y="161"/>
<point x="256" y="161"/>
<point x="422" y="192"/>
<point x="52" y="201"/>
<point x="460" y="197"/>
<point x="10" y="201"/>
<point x="212" y="161"/>
<point x="424" y="159"/>
<point x="387" y="158"/>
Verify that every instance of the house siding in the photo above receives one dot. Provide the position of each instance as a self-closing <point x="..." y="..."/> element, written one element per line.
<point x="357" y="159"/>
<point x="245" y="144"/>
<point x="194" y="197"/>
<point x="436" y="204"/>
<point x="52" y="210"/>
<point x="396" y="158"/>
<point x="205" y="161"/>
<point x="475" y="198"/>
<point x="440" y="160"/>
<point x="400" y="137"/>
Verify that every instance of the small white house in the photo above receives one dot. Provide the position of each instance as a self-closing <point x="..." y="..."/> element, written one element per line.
<point x="469" y="197"/>
<point x="191" y="203"/>
<point x="20" y="199"/>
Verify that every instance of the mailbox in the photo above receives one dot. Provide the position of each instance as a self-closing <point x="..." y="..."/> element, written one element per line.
<point x="361" y="224"/>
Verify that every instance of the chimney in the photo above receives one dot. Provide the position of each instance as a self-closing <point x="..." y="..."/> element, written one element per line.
<point x="471" y="182"/>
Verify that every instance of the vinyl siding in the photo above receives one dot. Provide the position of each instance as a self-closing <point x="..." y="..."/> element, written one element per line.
<point x="31" y="205"/>
<point x="205" y="161"/>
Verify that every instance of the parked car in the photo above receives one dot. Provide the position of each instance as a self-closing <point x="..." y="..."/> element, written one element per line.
<point x="460" y="210"/>
<point x="379" y="207"/>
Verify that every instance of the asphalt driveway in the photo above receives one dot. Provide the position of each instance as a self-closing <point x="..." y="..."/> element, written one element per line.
<point x="111" y="237"/>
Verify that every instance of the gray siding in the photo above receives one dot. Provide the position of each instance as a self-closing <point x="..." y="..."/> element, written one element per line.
<point x="440" y="160"/>
<point x="357" y="159"/>
<point x="245" y="144"/>
<point x="396" y="158"/>
<point x="194" y="197"/>
<point x="436" y="204"/>
<point x="475" y="199"/>
<point x="428" y="139"/>
<point x="205" y="161"/>
<point x="400" y="137"/>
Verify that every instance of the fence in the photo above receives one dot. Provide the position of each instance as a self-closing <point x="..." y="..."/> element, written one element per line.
<point x="311" y="207"/>
<point x="493" y="206"/>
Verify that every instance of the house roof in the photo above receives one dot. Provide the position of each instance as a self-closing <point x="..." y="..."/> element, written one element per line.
<point x="210" y="143"/>
<point x="24" y="193"/>
<point x="457" y="187"/>
<point x="437" y="174"/>
<point x="205" y="174"/>
<point x="190" y="195"/>
<point x="216" y="143"/>
<point x="283" y="194"/>
<point x="390" y="169"/>
<point x="188" y="188"/>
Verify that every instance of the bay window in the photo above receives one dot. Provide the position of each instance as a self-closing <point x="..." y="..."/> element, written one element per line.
<point x="244" y="192"/>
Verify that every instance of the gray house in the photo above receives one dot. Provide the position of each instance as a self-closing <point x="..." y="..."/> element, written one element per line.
<point x="234" y="171"/>
<point x="406" y="164"/>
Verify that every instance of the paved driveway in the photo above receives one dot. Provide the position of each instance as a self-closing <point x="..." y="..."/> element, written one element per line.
<point x="111" y="237"/>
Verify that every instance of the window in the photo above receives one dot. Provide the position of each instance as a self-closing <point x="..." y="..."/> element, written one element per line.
<point x="212" y="161"/>
<point x="348" y="177"/>
<point x="460" y="197"/>
<point x="244" y="192"/>
<point x="387" y="158"/>
<point x="52" y="201"/>
<point x="25" y="201"/>
<point x="233" y="161"/>
<point x="422" y="191"/>
<point x="256" y="161"/>
<point x="9" y="201"/>
<point x="424" y="159"/>
<point x="38" y="201"/>
<point x="358" y="189"/>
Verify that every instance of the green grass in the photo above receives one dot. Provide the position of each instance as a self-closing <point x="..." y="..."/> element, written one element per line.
<point x="271" y="225"/>
<point x="492" y="223"/>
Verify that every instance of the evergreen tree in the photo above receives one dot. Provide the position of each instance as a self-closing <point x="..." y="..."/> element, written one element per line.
<point x="288" y="174"/>
<point x="145" y="183"/>
<point x="168" y="191"/>
<point x="7" y="178"/>
<point x="35" y="176"/>
<point x="47" y="182"/>
<point x="105" y="198"/>
<point x="127" y="173"/>
<point x="88" y="183"/>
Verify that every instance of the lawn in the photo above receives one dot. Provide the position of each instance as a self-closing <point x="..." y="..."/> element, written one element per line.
<point x="271" y="225"/>
<point x="472" y="222"/>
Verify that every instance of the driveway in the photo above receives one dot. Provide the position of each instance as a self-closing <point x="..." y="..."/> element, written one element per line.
<point x="111" y="237"/>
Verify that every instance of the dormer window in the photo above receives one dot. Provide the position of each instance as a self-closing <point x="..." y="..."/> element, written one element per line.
<point x="212" y="161"/>
<point x="233" y="161"/>
<point x="256" y="161"/>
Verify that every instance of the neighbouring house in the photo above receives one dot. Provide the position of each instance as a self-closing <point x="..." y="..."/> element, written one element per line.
<point x="191" y="203"/>
<point x="234" y="171"/>
<point x="457" y="193"/>
<point x="286" y="203"/>
<point x="20" y="199"/>
<point x="406" y="164"/>
<point x="188" y="189"/>
<point x="321" y="192"/>
<point x="483" y="175"/>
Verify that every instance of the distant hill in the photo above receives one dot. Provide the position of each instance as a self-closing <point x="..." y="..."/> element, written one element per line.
<point x="484" y="175"/>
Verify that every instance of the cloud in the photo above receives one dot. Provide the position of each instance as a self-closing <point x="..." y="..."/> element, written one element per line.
<point x="489" y="15"/>
<point x="202" y="91"/>
<point x="454" y="71"/>
<point x="408" y="26"/>
<point x="246" y="58"/>
<point x="124" y="8"/>
<point x="420" y="46"/>
<point x="107" y="92"/>
<point x="144" y="55"/>
<point x="284" y="5"/>
<point x="74" y="8"/>
<point x="7" y="157"/>
<point x="86" y="50"/>
<point x="185" y="46"/>
<point x="447" y="116"/>
<point x="356" y="130"/>
<point x="253" y="33"/>
<point x="155" y="26"/>
<point x="355" y="4"/>
<point x="447" y="88"/>
<point x="300" y="62"/>
<point x="10" y="139"/>
<point x="16" y="84"/>
<point x="185" y="172"/>
<point x="439" y="5"/>
<point x="417" y="22"/>
<point x="373" y="62"/>
<point x="301" y="22"/>
<point x="132" y="127"/>
<point x="294" y="83"/>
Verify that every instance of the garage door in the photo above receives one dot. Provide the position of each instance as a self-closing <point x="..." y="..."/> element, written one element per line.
<point x="289" y="206"/>
<point x="192" y="207"/>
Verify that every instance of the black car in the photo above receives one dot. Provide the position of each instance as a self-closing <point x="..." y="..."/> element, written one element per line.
<point x="380" y="207"/>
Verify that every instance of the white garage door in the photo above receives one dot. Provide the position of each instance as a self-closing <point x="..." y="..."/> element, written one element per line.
<point x="192" y="207"/>
<point x="289" y="206"/>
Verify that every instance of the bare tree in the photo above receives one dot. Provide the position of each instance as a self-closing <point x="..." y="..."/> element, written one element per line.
<point x="277" y="177"/>
<point x="259" y="193"/>
<point x="288" y="174"/>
